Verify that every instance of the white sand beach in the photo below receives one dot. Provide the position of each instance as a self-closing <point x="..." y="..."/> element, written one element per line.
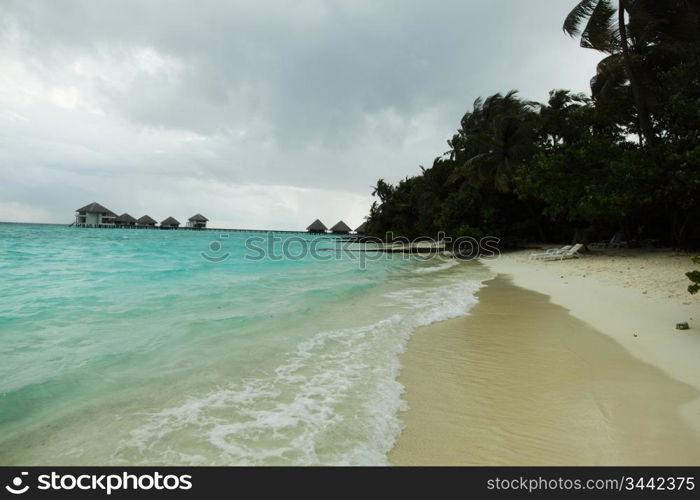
<point x="634" y="296"/>
<point x="561" y="363"/>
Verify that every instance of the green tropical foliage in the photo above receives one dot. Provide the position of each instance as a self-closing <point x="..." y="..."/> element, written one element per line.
<point x="694" y="276"/>
<point x="626" y="158"/>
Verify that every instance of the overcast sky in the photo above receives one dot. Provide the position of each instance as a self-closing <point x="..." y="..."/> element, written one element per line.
<point x="255" y="113"/>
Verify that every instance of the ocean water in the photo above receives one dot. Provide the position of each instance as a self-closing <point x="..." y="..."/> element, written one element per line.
<point x="188" y="347"/>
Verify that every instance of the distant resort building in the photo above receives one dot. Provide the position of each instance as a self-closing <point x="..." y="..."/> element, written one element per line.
<point x="94" y="215"/>
<point x="125" y="220"/>
<point x="317" y="227"/>
<point x="146" y="222"/>
<point x="170" y="223"/>
<point x="197" y="221"/>
<point x="341" y="228"/>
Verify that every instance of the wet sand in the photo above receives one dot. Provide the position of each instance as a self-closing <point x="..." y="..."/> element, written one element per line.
<point x="522" y="382"/>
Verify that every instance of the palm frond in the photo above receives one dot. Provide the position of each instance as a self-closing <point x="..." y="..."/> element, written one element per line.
<point x="595" y="23"/>
<point x="610" y="74"/>
<point x="575" y="22"/>
<point x="601" y="31"/>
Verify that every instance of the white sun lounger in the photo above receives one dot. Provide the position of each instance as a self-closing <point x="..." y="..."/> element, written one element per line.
<point x="572" y="253"/>
<point x="550" y="253"/>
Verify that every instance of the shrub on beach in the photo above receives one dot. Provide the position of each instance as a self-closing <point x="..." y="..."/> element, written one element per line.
<point x="694" y="276"/>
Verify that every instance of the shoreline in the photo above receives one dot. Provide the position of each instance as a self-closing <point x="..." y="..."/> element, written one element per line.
<point x="546" y="370"/>
<point x="636" y="297"/>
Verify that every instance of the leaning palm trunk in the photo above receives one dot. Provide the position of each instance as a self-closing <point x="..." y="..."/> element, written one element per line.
<point x="638" y="91"/>
<point x="594" y="21"/>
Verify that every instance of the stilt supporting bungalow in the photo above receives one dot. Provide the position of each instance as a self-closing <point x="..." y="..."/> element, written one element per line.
<point x="94" y="215"/>
<point x="317" y="227"/>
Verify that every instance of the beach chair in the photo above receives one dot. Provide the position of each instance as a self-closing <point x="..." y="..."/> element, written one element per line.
<point x="571" y="253"/>
<point x="550" y="252"/>
<point x="618" y="241"/>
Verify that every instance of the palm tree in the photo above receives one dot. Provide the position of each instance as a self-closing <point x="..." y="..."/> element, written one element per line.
<point x="602" y="25"/>
<point x="495" y="137"/>
<point x="383" y="190"/>
<point x="556" y="115"/>
<point x="610" y="74"/>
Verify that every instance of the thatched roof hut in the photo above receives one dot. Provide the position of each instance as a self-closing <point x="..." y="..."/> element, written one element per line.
<point x="197" y="221"/>
<point x="361" y="229"/>
<point x="146" y="221"/>
<point x="317" y="227"/>
<point x="341" y="228"/>
<point x="96" y="208"/>
<point x="125" y="220"/>
<point x="170" y="223"/>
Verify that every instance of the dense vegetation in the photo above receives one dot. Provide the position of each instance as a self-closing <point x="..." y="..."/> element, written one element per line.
<point x="579" y="167"/>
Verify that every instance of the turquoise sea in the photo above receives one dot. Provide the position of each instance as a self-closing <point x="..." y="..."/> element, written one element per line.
<point x="176" y="347"/>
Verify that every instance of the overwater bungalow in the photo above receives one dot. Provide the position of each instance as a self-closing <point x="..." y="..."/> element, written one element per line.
<point x="94" y="215"/>
<point x="125" y="220"/>
<point x="197" y="221"/>
<point x="361" y="229"/>
<point x="341" y="228"/>
<point x="317" y="227"/>
<point x="146" y="222"/>
<point x="170" y="223"/>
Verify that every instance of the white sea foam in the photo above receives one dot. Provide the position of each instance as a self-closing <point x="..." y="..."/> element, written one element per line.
<point x="441" y="303"/>
<point x="435" y="269"/>
<point x="333" y="400"/>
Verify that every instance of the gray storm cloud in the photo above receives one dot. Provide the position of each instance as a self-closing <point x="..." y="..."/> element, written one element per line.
<point x="255" y="113"/>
